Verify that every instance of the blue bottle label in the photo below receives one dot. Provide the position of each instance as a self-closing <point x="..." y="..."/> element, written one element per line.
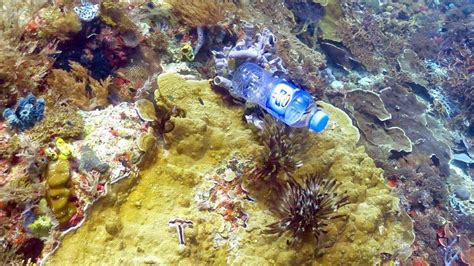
<point x="280" y="98"/>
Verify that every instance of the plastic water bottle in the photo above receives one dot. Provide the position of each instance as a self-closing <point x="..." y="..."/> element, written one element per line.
<point x="290" y="104"/>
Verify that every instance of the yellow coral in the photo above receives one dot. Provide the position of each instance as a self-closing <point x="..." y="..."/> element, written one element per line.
<point x="58" y="192"/>
<point x="208" y="135"/>
<point x="187" y="52"/>
<point x="147" y="143"/>
<point x="64" y="149"/>
<point x="146" y="110"/>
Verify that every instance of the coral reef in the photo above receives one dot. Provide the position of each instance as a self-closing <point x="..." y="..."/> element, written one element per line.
<point x="370" y="115"/>
<point x="179" y="176"/>
<point x="417" y="173"/>
<point x="159" y="113"/>
<point x="223" y="192"/>
<point x="362" y="43"/>
<point x="24" y="62"/>
<point x="22" y="70"/>
<point x="21" y="191"/>
<point x="110" y="138"/>
<point x="396" y="159"/>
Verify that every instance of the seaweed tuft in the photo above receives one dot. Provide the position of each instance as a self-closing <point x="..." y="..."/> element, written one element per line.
<point x="201" y="13"/>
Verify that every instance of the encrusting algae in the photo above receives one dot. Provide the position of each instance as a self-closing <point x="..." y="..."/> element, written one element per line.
<point x="200" y="142"/>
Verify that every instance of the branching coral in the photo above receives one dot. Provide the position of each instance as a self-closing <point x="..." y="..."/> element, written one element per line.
<point x="371" y="40"/>
<point x="358" y="41"/>
<point x="23" y="62"/>
<point x="305" y="210"/>
<point x="282" y="145"/>
<point x="78" y="87"/>
<point x="23" y="65"/>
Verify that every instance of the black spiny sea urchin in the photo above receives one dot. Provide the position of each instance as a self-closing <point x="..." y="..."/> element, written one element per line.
<point x="282" y="146"/>
<point x="305" y="210"/>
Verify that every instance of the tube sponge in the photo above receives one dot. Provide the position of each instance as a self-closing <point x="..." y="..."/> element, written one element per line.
<point x="28" y="111"/>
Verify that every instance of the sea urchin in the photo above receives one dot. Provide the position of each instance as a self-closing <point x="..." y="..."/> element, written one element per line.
<point x="305" y="210"/>
<point x="282" y="147"/>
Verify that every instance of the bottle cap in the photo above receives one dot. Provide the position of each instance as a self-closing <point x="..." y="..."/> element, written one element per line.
<point x="319" y="121"/>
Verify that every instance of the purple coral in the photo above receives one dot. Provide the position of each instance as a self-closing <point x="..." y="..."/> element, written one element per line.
<point x="262" y="52"/>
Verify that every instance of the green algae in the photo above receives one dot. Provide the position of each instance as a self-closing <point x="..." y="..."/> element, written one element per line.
<point x="208" y="135"/>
